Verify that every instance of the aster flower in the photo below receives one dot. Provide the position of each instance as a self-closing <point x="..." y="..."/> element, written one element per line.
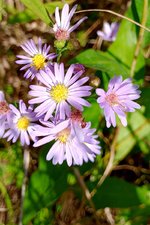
<point x="73" y="142"/>
<point x="109" y="31"/>
<point x="38" y="59"/>
<point x="62" y="27"/>
<point x="118" y="99"/>
<point x="4" y="112"/>
<point x="59" y="92"/>
<point x="21" y="124"/>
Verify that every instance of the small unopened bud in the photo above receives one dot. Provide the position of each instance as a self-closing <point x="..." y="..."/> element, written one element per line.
<point x="59" y="44"/>
<point x="94" y="81"/>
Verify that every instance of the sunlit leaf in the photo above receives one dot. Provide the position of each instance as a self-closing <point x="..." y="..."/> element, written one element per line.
<point x="37" y="7"/>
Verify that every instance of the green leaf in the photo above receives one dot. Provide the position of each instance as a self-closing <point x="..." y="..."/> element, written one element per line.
<point x="1" y="8"/>
<point x="40" y="194"/>
<point x="37" y="7"/>
<point x="101" y="61"/>
<point x="92" y="114"/>
<point x="144" y="100"/>
<point x="138" y="128"/>
<point x="56" y="172"/>
<point x="117" y="193"/>
<point x="22" y="17"/>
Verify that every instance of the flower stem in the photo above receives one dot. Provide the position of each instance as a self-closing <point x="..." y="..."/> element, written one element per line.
<point x="110" y="164"/>
<point x="140" y="38"/>
<point x="26" y="161"/>
<point x="116" y="14"/>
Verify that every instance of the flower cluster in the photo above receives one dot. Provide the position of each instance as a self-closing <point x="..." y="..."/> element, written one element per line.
<point x="58" y="99"/>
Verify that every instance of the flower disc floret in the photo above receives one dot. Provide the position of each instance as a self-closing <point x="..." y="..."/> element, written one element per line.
<point x="63" y="135"/>
<point x="23" y="123"/>
<point x="39" y="61"/>
<point x="59" y="93"/>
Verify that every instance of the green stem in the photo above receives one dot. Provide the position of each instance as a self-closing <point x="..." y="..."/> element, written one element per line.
<point x="5" y="195"/>
<point x="140" y="38"/>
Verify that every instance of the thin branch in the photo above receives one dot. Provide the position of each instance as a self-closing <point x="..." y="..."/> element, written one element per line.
<point x="114" y="13"/>
<point x="110" y="164"/>
<point x="84" y="187"/>
<point x="85" y="191"/>
<point x="135" y="169"/>
<point x="140" y="39"/>
<point x="26" y="161"/>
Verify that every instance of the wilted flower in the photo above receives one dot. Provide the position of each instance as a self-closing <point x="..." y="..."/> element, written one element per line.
<point x="4" y="112"/>
<point x="59" y="92"/>
<point x="21" y="124"/>
<point x="118" y="99"/>
<point x="74" y="143"/>
<point x="62" y="27"/>
<point x="109" y="31"/>
<point x="38" y="59"/>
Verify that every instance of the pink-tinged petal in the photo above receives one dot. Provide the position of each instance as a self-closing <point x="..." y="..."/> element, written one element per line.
<point x="22" y="106"/>
<point x="75" y="104"/>
<point x="43" y="141"/>
<point x="106" y="28"/>
<point x="57" y="17"/>
<point x="61" y="126"/>
<point x="115" y="82"/>
<point x="50" y="111"/>
<point x="54" y="150"/>
<point x="79" y="82"/>
<point x="69" y="74"/>
<point x="77" y="24"/>
<point x="100" y="92"/>
<point x="14" y="109"/>
<point x="132" y="104"/>
<point x="64" y="15"/>
<point x="68" y="155"/>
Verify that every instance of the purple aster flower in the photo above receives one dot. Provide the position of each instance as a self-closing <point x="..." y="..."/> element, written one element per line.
<point x="62" y="27"/>
<point x="118" y="99"/>
<point x="73" y="142"/>
<point x="38" y="59"/>
<point x="4" y="112"/>
<point x="59" y="92"/>
<point x="109" y="31"/>
<point x="21" y="124"/>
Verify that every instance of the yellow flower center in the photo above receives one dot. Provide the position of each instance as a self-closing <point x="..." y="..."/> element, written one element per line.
<point x="63" y="135"/>
<point x="59" y="93"/>
<point x="23" y="123"/>
<point x="38" y="61"/>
